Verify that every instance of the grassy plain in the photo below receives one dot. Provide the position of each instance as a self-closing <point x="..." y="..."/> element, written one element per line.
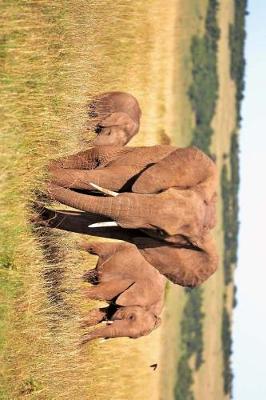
<point x="54" y="57"/>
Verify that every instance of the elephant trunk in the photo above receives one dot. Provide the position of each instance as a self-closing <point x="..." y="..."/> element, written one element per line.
<point x="119" y="328"/>
<point x="119" y="208"/>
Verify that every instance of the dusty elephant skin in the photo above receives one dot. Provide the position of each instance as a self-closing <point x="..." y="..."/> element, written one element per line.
<point x="114" y="117"/>
<point x="166" y="196"/>
<point x="136" y="290"/>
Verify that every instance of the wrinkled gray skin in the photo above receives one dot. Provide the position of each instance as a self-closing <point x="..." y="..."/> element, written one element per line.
<point x="166" y="195"/>
<point x="122" y="276"/>
<point x="114" y="117"/>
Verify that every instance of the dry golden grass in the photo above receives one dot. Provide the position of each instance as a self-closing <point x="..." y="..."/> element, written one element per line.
<point x="54" y="57"/>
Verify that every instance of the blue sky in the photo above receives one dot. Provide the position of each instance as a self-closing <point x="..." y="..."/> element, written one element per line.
<point x="249" y="329"/>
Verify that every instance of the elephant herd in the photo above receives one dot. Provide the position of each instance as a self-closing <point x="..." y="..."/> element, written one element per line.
<point x="160" y="201"/>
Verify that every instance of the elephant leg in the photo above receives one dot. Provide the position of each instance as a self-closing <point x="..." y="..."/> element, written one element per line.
<point x="119" y="328"/>
<point x="104" y="250"/>
<point x="108" y="290"/>
<point x="113" y="178"/>
<point x="88" y="159"/>
<point x="94" y="317"/>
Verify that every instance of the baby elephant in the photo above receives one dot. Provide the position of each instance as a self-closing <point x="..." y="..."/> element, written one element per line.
<point x="114" y="117"/>
<point x="133" y="287"/>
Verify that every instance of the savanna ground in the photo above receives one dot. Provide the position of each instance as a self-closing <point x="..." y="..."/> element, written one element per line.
<point x="54" y="56"/>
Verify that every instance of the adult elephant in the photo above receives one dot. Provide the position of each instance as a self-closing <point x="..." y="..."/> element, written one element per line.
<point x="134" y="289"/>
<point x="166" y="195"/>
<point x="114" y="117"/>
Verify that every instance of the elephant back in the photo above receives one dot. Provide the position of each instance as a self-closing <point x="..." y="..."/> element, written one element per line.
<point x="142" y="156"/>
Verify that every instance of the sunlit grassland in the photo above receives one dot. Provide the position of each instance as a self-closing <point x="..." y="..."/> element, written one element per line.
<point x="54" y="57"/>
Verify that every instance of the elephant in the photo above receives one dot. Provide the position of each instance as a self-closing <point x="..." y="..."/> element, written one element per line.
<point x="133" y="287"/>
<point x="114" y="117"/>
<point x="165" y="203"/>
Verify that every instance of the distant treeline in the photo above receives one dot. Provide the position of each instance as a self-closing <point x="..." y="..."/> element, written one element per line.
<point x="203" y="91"/>
<point x="230" y="187"/>
<point x="230" y="183"/>
<point x="203" y="94"/>
<point x="227" y="352"/>
<point x="191" y="344"/>
<point x="237" y="37"/>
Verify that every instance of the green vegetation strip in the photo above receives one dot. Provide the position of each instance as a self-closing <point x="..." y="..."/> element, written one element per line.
<point x="230" y="183"/>
<point x="237" y="37"/>
<point x="227" y="352"/>
<point x="191" y="344"/>
<point x="203" y="94"/>
<point x="230" y="187"/>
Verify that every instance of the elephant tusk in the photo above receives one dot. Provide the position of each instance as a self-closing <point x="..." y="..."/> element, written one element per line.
<point x="103" y="190"/>
<point x="107" y="322"/>
<point x="103" y="224"/>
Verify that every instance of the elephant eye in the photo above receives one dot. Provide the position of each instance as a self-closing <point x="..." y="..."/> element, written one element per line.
<point x="161" y="232"/>
<point x="92" y="114"/>
<point x="98" y="128"/>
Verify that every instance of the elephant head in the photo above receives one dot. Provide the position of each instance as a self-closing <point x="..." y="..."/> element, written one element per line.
<point x="114" y="117"/>
<point x="131" y="321"/>
<point x="172" y="215"/>
<point x="170" y="197"/>
<point x="143" y="321"/>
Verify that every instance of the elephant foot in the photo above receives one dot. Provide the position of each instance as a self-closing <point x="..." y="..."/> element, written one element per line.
<point x="91" y="277"/>
<point x="42" y="216"/>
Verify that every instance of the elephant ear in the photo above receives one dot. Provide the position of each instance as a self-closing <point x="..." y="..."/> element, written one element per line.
<point x="140" y="294"/>
<point x="183" y="168"/>
<point x="157" y="322"/>
<point x="188" y="267"/>
<point x="122" y="120"/>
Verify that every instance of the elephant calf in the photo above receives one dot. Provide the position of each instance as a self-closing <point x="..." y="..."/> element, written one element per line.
<point x="133" y="287"/>
<point x="114" y="117"/>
